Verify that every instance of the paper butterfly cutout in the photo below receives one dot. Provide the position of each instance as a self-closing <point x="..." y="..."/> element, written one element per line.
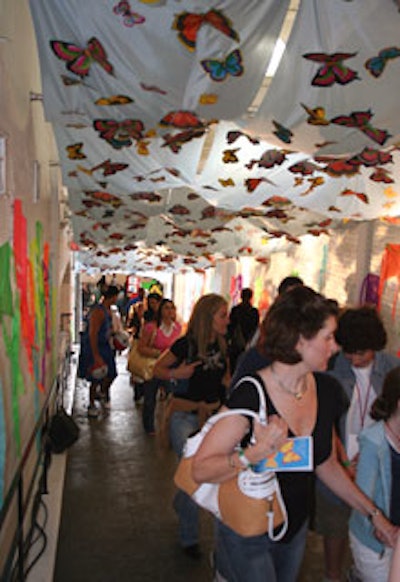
<point x="269" y="159"/>
<point x="188" y="25"/>
<point x="78" y="59"/>
<point x="175" y="142"/>
<point x="281" y="132"/>
<point x="381" y="175"/>
<point x="232" y="136"/>
<point x="226" y="183"/>
<point x="252" y="183"/>
<point x="333" y="69"/>
<point x="376" y="65"/>
<point x="371" y="157"/>
<point x="114" y="100"/>
<point x="109" y="168"/>
<point x="153" y="88"/>
<point x="230" y="157"/>
<point x="129" y="18"/>
<point x="119" y="134"/>
<point x="72" y="82"/>
<point x="208" y="99"/>
<point x="361" y="120"/>
<point x="360" y="195"/>
<point x="219" y="70"/>
<point x="181" y="119"/>
<point x="316" y="116"/>
<point x="106" y="197"/>
<point x="74" y="151"/>
<point x="305" y="168"/>
<point x="314" y="182"/>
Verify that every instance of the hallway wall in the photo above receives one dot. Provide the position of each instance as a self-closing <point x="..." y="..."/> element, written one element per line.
<point x="34" y="256"/>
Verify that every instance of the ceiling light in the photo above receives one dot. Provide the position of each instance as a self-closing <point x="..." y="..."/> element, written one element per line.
<point x="277" y="54"/>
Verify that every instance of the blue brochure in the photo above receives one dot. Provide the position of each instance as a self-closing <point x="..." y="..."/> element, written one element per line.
<point x="295" y="455"/>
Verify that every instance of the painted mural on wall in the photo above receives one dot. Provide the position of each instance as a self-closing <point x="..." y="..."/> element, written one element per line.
<point x="27" y="303"/>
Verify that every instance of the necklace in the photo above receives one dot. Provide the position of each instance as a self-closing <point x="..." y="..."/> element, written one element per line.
<point x="396" y="436"/>
<point x="298" y="394"/>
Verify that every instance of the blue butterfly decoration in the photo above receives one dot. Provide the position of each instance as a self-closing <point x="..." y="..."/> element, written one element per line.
<point x="219" y="70"/>
<point x="376" y="65"/>
<point x="281" y="132"/>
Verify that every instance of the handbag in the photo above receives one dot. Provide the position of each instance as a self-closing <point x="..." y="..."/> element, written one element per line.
<point x="62" y="432"/>
<point x="140" y="366"/>
<point x="250" y="503"/>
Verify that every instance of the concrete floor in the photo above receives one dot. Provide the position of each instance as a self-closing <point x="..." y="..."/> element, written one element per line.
<point x="117" y="522"/>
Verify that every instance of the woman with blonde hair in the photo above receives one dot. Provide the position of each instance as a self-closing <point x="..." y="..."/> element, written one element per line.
<point x="198" y="362"/>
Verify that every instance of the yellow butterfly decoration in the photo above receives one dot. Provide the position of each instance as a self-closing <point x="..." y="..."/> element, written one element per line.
<point x="114" y="100"/>
<point x="208" y="99"/>
<point x="230" y="157"/>
<point x="141" y="147"/>
<point x="316" y="116"/>
<point x="74" y="151"/>
<point x="226" y="183"/>
<point x="390" y="192"/>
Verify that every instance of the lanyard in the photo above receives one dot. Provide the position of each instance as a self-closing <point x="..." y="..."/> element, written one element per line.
<point x="363" y="409"/>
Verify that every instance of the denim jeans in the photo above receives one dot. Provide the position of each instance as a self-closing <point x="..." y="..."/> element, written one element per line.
<point x="258" y="559"/>
<point x="182" y="425"/>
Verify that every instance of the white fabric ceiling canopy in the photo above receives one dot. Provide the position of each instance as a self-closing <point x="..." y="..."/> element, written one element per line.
<point x="166" y="162"/>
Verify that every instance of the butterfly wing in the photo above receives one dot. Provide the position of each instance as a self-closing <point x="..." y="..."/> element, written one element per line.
<point x="219" y="21"/>
<point x="66" y="51"/>
<point x="233" y="63"/>
<point x="215" y="68"/>
<point x="282" y="132"/>
<point x="133" y="18"/>
<point x="343" y="75"/>
<point x="375" y="66"/>
<point x="324" y="77"/>
<point x="98" y="54"/>
<point x="74" y="151"/>
<point x="346" y="120"/>
<point x="77" y="59"/>
<point x="188" y="25"/>
<point x="218" y="70"/>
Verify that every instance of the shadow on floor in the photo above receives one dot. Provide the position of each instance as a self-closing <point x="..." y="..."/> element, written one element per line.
<point x="117" y="521"/>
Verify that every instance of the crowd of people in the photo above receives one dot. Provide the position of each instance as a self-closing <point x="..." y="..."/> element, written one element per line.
<point x="325" y="376"/>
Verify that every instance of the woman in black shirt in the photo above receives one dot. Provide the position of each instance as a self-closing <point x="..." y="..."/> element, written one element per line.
<point x="197" y="363"/>
<point x="299" y="340"/>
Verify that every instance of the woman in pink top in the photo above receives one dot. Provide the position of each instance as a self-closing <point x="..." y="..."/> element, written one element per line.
<point x="157" y="337"/>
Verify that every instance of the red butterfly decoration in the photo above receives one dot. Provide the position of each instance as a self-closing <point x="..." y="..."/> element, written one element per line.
<point x="371" y="157"/>
<point x="189" y="23"/>
<point x="381" y="175"/>
<point x="78" y="59"/>
<point x="175" y="142"/>
<point x="361" y="120"/>
<point x="109" y="168"/>
<point x="305" y="168"/>
<point x="181" y="119"/>
<point x="360" y="195"/>
<point x="252" y="183"/>
<point x="333" y="70"/>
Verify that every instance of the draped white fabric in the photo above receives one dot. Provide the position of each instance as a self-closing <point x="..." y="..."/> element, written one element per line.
<point x="166" y="163"/>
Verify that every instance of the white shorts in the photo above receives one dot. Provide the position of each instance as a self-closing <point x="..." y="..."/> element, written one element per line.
<point x="370" y="565"/>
